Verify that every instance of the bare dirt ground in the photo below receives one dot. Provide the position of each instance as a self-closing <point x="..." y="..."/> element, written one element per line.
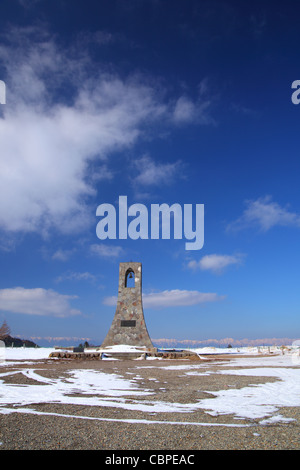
<point x="81" y="427"/>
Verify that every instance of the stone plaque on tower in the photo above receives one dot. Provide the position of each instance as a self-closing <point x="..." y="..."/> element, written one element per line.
<point x="128" y="326"/>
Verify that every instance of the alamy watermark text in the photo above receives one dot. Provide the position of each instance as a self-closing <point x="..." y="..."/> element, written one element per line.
<point x="160" y="222"/>
<point x="296" y="94"/>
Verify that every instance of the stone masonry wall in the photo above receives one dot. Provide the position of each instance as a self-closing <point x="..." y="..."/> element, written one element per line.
<point x="128" y="326"/>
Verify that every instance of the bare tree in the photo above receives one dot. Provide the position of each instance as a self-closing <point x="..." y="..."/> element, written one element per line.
<point x="4" y="330"/>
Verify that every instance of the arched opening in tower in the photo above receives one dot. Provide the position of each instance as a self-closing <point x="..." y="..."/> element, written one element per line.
<point x="129" y="278"/>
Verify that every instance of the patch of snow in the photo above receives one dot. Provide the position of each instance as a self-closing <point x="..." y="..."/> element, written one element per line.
<point x="26" y="353"/>
<point x="95" y="388"/>
<point x="124" y="348"/>
<point x="256" y="400"/>
<point x="130" y="421"/>
<point x="276" y="419"/>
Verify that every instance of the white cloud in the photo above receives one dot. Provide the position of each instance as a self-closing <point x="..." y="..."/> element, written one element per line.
<point x="49" y="139"/>
<point x="64" y="118"/>
<point x="171" y="298"/>
<point x="62" y="255"/>
<point x="151" y="173"/>
<point x="265" y="214"/>
<point x="36" y="301"/>
<point x="215" y="263"/>
<point x="187" y="111"/>
<point x="76" y="276"/>
<point x="106" y="251"/>
<point x="175" y="298"/>
<point x="111" y="301"/>
<point x="45" y="154"/>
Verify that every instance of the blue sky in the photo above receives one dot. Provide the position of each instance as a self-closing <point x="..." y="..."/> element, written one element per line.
<point x="163" y="102"/>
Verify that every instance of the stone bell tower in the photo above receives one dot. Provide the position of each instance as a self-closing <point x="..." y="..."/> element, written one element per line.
<point x="128" y="326"/>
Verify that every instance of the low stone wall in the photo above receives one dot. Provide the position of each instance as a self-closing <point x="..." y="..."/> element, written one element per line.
<point x="72" y="355"/>
<point x="176" y="355"/>
<point x="126" y="355"/>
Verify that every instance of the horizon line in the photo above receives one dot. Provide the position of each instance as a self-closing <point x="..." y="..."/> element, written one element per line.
<point x="188" y="342"/>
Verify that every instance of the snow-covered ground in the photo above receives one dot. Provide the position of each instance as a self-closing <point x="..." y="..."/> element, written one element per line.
<point x="96" y="388"/>
<point x="24" y="353"/>
<point x="43" y="353"/>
